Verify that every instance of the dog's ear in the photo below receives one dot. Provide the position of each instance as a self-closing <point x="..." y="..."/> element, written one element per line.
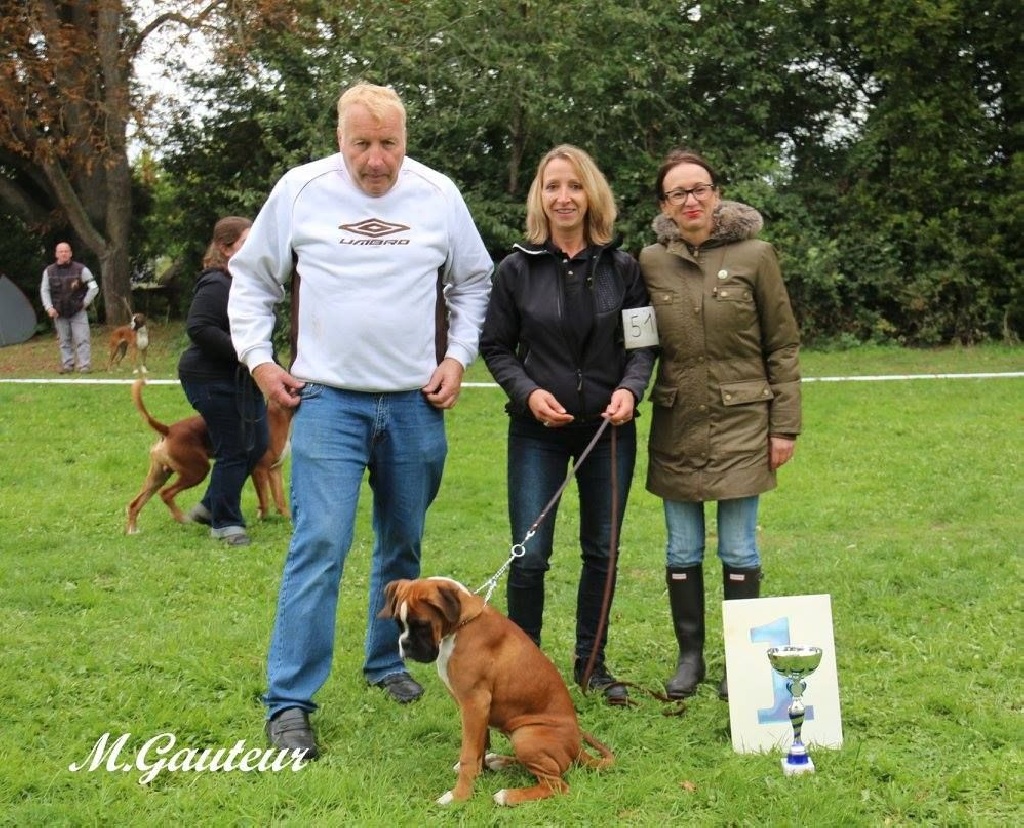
<point x="450" y="605"/>
<point x="391" y="598"/>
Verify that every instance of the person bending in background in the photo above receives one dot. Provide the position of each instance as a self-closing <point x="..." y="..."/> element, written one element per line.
<point x="219" y="387"/>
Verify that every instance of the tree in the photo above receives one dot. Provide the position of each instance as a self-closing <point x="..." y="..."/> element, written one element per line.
<point x="66" y="100"/>
<point x="881" y="141"/>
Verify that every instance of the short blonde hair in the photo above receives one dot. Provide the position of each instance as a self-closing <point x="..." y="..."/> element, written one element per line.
<point x="380" y="101"/>
<point x="599" y="224"/>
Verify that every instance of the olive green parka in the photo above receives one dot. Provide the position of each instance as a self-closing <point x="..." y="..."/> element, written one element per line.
<point x="728" y="372"/>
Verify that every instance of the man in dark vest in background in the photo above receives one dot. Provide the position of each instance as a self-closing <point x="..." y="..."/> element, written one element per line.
<point x="68" y="289"/>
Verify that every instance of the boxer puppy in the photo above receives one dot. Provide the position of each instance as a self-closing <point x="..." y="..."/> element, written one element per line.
<point x="500" y="679"/>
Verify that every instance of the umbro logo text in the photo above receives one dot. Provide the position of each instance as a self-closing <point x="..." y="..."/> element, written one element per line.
<point x="373" y="228"/>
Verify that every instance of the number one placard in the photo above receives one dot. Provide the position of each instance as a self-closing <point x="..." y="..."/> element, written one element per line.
<point x="758" y="698"/>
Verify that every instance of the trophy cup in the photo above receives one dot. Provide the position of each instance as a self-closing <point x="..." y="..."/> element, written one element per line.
<point x="794" y="664"/>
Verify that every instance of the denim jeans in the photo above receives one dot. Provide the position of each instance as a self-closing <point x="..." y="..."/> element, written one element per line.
<point x="236" y="420"/>
<point x="539" y="459"/>
<point x="737" y="533"/>
<point x="338" y="435"/>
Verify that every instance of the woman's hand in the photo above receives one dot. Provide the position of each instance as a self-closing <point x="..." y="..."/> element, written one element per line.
<point x="547" y="409"/>
<point x="780" y="451"/>
<point x="621" y="408"/>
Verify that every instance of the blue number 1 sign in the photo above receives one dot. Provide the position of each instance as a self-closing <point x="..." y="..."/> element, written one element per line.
<point x="776" y="634"/>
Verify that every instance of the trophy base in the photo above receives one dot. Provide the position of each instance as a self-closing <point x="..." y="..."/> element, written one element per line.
<point x="791" y="768"/>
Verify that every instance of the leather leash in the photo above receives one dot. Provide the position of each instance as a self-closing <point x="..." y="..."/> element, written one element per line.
<point x="519" y="549"/>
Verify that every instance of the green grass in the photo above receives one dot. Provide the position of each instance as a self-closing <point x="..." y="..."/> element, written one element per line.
<point x="904" y="502"/>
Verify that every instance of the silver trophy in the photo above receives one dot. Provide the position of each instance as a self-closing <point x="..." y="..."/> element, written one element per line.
<point x="795" y="664"/>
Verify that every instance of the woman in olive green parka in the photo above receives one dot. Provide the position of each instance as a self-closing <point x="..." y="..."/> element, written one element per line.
<point x="726" y="397"/>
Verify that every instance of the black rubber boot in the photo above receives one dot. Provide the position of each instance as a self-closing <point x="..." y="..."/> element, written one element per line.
<point x="686" y="598"/>
<point x="738" y="584"/>
<point x="525" y="595"/>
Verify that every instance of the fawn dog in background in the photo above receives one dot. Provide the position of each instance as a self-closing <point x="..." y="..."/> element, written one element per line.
<point x="134" y="335"/>
<point x="183" y="448"/>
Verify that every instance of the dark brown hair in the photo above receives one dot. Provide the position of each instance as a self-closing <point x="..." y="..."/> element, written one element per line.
<point x="678" y="156"/>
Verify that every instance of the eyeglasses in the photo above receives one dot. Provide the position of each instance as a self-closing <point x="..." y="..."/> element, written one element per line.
<point x="700" y="192"/>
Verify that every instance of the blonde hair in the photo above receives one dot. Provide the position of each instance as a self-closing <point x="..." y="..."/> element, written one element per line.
<point x="601" y="211"/>
<point x="380" y="101"/>
<point x="226" y="232"/>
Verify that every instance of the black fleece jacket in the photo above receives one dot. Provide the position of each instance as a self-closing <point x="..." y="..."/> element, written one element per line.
<point x="529" y="340"/>
<point x="210" y="356"/>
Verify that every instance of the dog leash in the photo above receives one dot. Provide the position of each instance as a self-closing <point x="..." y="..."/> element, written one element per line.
<point x="519" y="549"/>
<point x="613" y="556"/>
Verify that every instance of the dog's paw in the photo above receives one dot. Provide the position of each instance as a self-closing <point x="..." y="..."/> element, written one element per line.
<point x="446" y="798"/>
<point x="496" y="762"/>
<point x="501" y="797"/>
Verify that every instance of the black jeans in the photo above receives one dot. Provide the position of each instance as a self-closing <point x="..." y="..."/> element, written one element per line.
<point x="539" y="459"/>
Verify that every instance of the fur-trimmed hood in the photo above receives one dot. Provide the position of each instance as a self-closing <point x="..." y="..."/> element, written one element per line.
<point x="733" y="222"/>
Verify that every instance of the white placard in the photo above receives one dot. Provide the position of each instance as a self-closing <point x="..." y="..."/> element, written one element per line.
<point x="639" y="327"/>
<point x="758" y="698"/>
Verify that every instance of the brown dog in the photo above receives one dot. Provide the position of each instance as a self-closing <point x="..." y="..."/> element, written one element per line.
<point x="134" y="335"/>
<point x="184" y="448"/>
<point x="267" y="477"/>
<point x="500" y="679"/>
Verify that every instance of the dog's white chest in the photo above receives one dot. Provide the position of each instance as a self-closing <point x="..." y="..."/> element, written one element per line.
<point x="445" y="650"/>
<point x="142" y="338"/>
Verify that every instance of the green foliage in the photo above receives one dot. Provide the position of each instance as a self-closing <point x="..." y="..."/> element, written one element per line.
<point x="23" y="256"/>
<point x="880" y="141"/>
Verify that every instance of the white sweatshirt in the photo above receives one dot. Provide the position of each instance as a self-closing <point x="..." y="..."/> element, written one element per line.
<point x="368" y="269"/>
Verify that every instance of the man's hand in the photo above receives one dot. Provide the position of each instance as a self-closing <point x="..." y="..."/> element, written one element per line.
<point x="442" y="390"/>
<point x="277" y="384"/>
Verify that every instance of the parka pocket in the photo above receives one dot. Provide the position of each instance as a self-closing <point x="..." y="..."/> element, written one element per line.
<point x="736" y="293"/>
<point x="746" y="392"/>
<point x="664" y="396"/>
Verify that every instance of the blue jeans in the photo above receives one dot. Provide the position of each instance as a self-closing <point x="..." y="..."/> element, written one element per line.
<point x="539" y="459"/>
<point x="337" y="436"/>
<point x="737" y="533"/>
<point x="236" y="420"/>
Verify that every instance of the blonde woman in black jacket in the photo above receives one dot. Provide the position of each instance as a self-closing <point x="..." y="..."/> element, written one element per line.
<point x="553" y="339"/>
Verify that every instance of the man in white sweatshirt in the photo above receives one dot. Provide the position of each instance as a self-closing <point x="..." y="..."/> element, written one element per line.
<point x="390" y="287"/>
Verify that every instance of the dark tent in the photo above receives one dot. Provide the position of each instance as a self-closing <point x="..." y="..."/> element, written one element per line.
<point x="17" y="316"/>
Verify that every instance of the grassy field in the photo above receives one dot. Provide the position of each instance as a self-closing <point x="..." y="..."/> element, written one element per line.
<point x="904" y="502"/>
